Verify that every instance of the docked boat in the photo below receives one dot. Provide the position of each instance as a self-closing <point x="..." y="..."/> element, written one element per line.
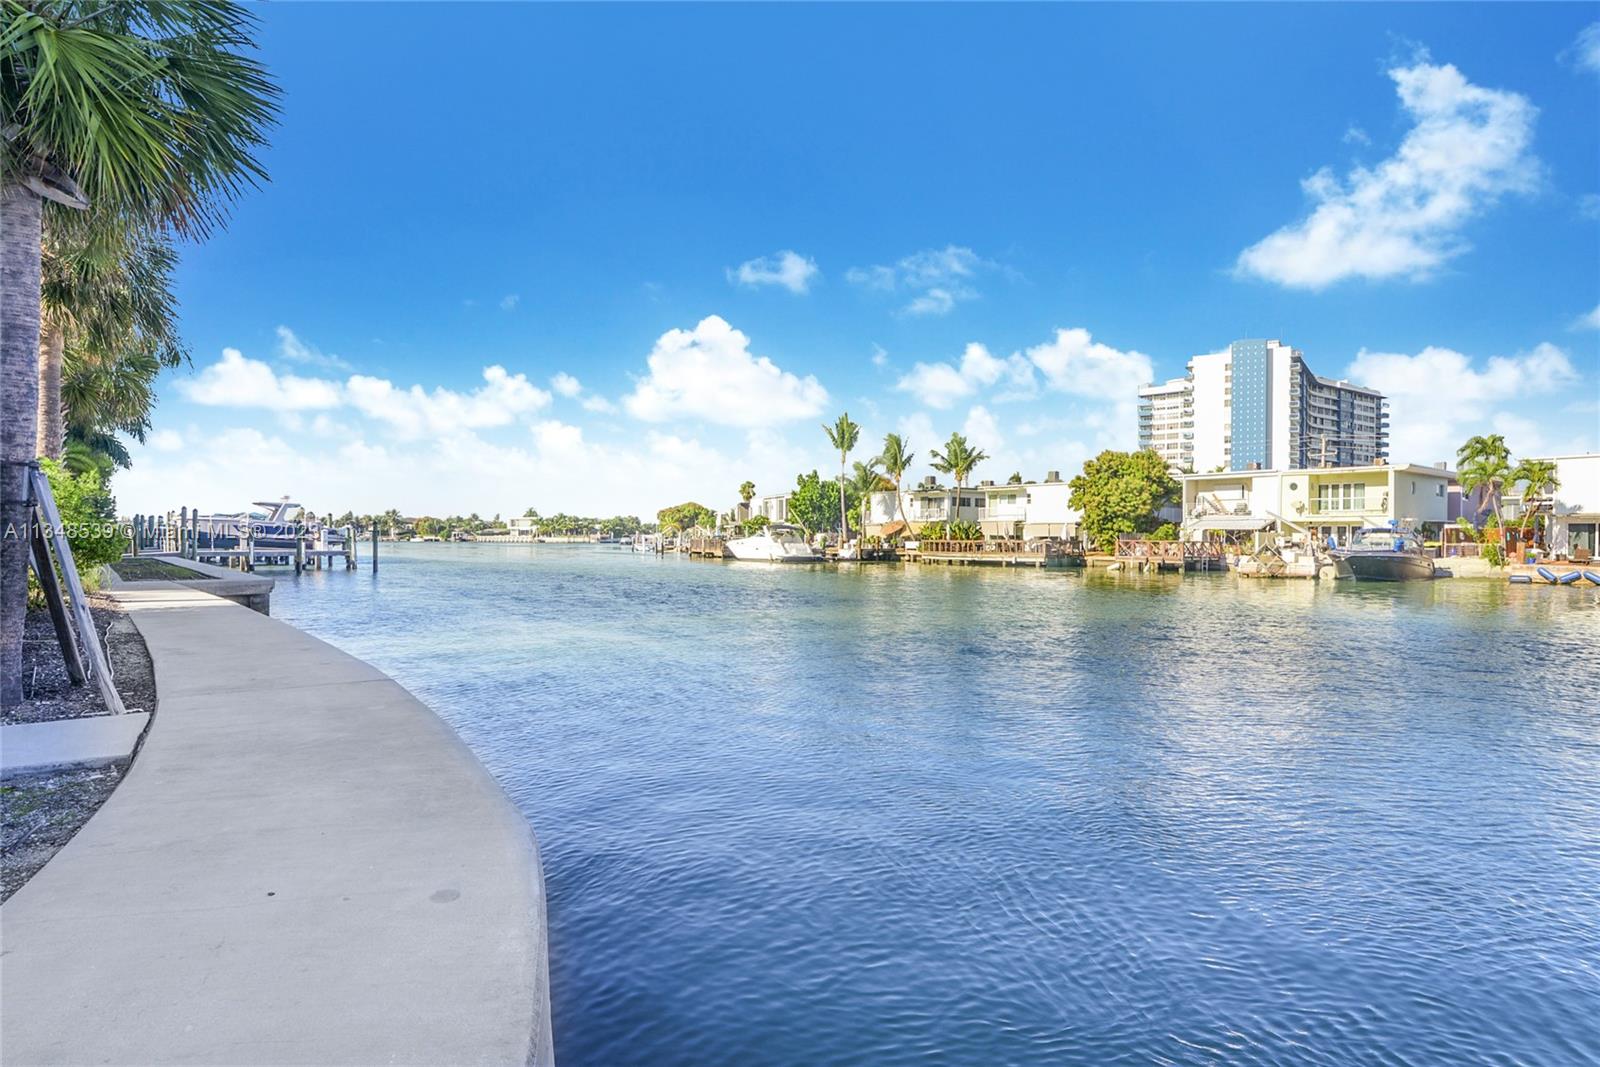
<point x="1384" y="554"/>
<point x="776" y="543"/>
<point x="269" y="524"/>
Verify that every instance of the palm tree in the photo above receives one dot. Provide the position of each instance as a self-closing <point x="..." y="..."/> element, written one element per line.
<point x="747" y="492"/>
<point x="1537" y="478"/>
<point x="842" y="435"/>
<point x="896" y="459"/>
<point x="1484" y="462"/>
<point x="958" y="460"/>
<point x="106" y="299"/>
<point x="149" y="111"/>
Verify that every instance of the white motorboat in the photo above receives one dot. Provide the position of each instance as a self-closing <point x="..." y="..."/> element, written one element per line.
<point x="776" y="543"/>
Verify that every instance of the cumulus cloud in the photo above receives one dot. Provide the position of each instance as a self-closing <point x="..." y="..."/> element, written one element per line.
<point x="937" y="279"/>
<point x="710" y="373"/>
<point x="415" y="412"/>
<point x="1439" y="397"/>
<point x="1074" y="362"/>
<point x="1403" y="218"/>
<point x="509" y="302"/>
<point x="238" y="381"/>
<point x="788" y="269"/>
<point x="599" y="405"/>
<point x="940" y="385"/>
<point x="566" y="384"/>
<point x="294" y="350"/>
<point x="165" y="440"/>
<point x="1590" y="321"/>
<point x="983" y="430"/>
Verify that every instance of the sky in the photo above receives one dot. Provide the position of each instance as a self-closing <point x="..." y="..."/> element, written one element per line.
<point x="603" y="259"/>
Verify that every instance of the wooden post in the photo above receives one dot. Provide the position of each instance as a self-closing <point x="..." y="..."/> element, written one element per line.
<point x="374" y="548"/>
<point x="249" y="546"/>
<point x="194" y="533"/>
<point x="350" y="547"/>
<point x="299" y="551"/>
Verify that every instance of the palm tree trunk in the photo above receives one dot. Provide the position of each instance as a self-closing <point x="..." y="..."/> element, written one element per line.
<point x="52" y="431"/>
<point x="20" y="214"/>
<point x="842" y="524"/>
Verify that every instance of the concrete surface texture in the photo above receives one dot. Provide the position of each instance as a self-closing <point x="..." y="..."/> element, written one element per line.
<point x="94" y="741"/>
<point x="252" y="590"/>
<point x="304" y="865"/>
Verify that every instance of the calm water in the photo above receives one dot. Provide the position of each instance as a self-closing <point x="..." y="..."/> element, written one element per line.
<point x="884" y="816"/>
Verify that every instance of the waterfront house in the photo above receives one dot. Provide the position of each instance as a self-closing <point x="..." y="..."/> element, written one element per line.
<point x="1018" y="509"/>
<point x="1028" y="509"/>
<point x="926" y="502"/>
<point x="774" y="508"/>
<point x="1324" y="501"/>
<point x="1573" y="511"/>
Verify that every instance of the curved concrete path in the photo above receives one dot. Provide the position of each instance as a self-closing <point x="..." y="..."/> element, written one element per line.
<point x="304" y="865"/>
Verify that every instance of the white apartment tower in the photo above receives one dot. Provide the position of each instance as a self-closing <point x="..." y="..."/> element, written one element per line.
<point x="1257" y="406"/>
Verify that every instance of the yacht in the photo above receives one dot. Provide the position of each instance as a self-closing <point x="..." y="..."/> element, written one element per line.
<point x="776" y="543"/>
<point x="270" y="524"/>
<point x="1384" y="554"/>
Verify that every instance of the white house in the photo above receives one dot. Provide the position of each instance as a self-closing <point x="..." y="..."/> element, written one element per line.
<point x="1573" y="509"/>
<point x="1325" y="501"/>
<point x="775" y="508"/>
<point x="1026" y="509"/>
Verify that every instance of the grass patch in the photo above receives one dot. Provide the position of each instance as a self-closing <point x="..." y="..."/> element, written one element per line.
<point x="141" y="569"/>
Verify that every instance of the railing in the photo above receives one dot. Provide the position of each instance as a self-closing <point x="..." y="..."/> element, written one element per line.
<point x="995" y="546"/>
<point x="1174" y="552"/>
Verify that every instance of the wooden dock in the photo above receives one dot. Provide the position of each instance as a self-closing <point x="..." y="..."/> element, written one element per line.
<point x="999" y="552"/>
<point x="184" y="534"/>
<point x="1170" y="555"/>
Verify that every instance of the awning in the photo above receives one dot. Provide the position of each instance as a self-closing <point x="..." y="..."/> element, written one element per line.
<point x="894" y="529"/>
<point x="1228" y="522"/>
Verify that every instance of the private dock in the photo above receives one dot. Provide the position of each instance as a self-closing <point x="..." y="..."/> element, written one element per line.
<point x="1170" y="555"/>
<point x="185" y="534"/>
<point x="999" y="552"/>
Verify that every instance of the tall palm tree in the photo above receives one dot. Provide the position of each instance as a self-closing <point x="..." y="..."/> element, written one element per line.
<point x="1484" y="462"/>
<point x="843" y="436"/>
<point x="1537" y="478"/>
<point x="958" y="460"/>
<point x="896" y="459"/>
<point x="747" y="492"/>
<point x="146" y="110"/>
<point x="106" y="298"/>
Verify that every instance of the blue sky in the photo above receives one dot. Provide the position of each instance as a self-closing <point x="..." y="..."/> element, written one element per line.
<point x="607" y="258"/>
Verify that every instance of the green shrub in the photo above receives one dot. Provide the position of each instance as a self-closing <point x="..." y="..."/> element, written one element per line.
<point x="932" y="531"/>
<point x="965" y="531"/>
<point x="1167" y="531"/>
<point x="1494" y="554"/>
<point x="88" y="517"/>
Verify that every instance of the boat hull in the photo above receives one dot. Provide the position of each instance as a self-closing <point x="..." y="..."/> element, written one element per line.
<point x="1387" y="566"/>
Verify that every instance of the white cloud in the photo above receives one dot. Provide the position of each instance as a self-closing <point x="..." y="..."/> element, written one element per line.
<point x="556" y="436"/>
<point x="880" y="355"/>
<point x="1585" y="51"/>
<point x="709" y="373"/>
<point x="566" y="384"/>
<point x="789" y="269"/>
<point x="983" y="430"/>
<point x="1354" y="134"/>
<point x="1589" y="206"/>
<point x="415" y="412"/>
<point x="1403" y="218"/>
<point x="1073" y="362"/>
<point x="293" y="349"/>
<point x="237" y="381"/>
<point x="940" y="385"/>
<point x="510" y="301"/>
<point x="1439" y="397"/>
<point x="1591" y="321"/>
<point x="937" y="278"/>
<point x="599" y="405"/>
<point x="165" y="441"/>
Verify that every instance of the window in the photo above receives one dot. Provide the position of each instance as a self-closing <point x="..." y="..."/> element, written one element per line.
<point x="1342" y="496"/>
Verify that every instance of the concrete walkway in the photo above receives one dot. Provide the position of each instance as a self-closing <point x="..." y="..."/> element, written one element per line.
<point x="304" y="866"/>
<point x="93" y="741"/>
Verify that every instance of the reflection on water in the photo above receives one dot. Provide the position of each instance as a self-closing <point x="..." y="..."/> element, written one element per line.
<point x="943" y="815"/>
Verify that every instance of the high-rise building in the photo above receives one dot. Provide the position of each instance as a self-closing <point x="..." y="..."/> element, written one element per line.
<point x="1256" y="405"/>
